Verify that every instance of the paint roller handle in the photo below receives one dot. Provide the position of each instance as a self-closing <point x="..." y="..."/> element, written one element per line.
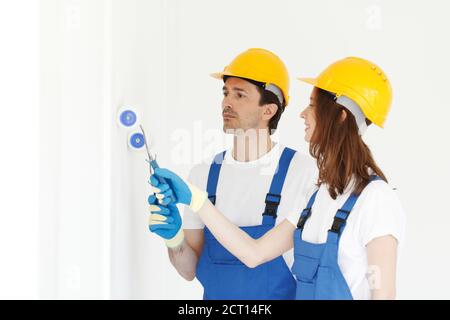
<point x="155" y="165"/>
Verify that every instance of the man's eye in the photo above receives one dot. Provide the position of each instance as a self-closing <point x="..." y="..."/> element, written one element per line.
<point x="240" y="95"/>
<point x="225" y="93"/>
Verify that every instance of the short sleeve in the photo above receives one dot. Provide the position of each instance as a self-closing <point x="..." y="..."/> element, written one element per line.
<point x="191" y="220"/>
<point x="308" y="182"/>
<point x="305" y="177"/>
<point x="293" y="218"/>
<point x="382" y="214"/>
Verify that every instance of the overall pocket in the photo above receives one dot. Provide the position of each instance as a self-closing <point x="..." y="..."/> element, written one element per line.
<point x="305" y="268"/>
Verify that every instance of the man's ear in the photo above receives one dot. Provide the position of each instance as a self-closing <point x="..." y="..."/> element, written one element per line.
<point x="270" y="110"/>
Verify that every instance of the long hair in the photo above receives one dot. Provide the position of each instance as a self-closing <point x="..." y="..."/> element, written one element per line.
<point x="340" y="152"/>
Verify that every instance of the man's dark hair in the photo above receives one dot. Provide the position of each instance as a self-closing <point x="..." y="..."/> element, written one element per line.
<point x="267" y="97"/>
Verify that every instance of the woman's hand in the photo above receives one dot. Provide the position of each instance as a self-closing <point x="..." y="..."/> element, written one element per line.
<point x="176" y="190"/>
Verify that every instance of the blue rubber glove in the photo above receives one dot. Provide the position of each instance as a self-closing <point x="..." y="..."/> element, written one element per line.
<point x="165" y="221"/>
<point x="163" y="192"/>
<point x="176" y="190"/>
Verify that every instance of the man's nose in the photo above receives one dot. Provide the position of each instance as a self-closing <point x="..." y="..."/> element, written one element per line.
<point x="226" y="105"/>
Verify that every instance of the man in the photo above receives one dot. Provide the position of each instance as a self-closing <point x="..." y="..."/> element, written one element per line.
<point x="256" y="185"/>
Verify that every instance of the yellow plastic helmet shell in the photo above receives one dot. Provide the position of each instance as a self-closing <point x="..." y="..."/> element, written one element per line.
<point x="360" y="80"/>
<point x="259" y="65"/>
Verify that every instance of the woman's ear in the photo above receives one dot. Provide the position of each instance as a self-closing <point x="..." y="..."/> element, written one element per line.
<point x="343" y="115"/>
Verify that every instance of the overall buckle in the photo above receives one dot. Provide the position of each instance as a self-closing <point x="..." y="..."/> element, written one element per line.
<point x="337" y="224"/>
<point x="302" y="220"/>
<point x="212" y="199"/>
<point x="272" y="202"/>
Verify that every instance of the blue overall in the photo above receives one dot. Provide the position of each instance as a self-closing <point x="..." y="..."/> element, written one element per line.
<point x="316" y="265"/>
<point x="225" y="277"/>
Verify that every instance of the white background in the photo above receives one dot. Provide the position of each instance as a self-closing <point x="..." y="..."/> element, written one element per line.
<point x="73" y="195"/>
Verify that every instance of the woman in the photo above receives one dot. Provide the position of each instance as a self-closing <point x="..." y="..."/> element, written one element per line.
<point x="345" y="241"/>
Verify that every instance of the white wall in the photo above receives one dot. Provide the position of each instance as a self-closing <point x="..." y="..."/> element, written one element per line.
<point x="156" y="55"/>
<point x="74" y="151"/>
<point x="19" y="141"/>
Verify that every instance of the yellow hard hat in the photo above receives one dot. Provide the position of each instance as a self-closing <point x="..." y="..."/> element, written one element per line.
<point x="360" y="80"/>
<point x="259" y="65"/>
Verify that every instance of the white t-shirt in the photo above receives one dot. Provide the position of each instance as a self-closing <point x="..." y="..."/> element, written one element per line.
<point x="377" y="212"/>
<point x="242" y="188"/>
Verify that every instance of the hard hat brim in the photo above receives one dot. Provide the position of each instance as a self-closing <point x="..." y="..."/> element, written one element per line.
<point x="217" y="75"/>
<point x="315" y="83"/>
<point x="312" y="81"/>
<point x="220" y="75"/>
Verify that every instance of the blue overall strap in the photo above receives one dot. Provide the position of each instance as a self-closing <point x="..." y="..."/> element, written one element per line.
<point x="273" y="198"/>
<point x="340" y="219"/>
<point x="306" y="213"/>
<point x="213" y="176"/>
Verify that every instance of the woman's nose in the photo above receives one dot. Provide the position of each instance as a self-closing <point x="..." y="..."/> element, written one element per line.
<point x="302" y="114"/>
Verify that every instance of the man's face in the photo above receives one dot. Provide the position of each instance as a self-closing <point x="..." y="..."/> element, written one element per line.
<point x="240" y="106"/>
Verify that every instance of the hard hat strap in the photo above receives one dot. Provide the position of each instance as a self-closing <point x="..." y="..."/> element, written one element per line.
<point x="354" y="109"/>
<point x="266" y="86"/>
<point x="275" y="90"/>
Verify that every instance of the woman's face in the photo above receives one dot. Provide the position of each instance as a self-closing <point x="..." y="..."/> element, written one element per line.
<point x="308" y="114"/>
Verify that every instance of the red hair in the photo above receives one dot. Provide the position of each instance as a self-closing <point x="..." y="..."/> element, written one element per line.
<point x="340" y="152"/>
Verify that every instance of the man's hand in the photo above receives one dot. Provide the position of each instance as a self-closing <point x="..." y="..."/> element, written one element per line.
<point x="166" y="222"/>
